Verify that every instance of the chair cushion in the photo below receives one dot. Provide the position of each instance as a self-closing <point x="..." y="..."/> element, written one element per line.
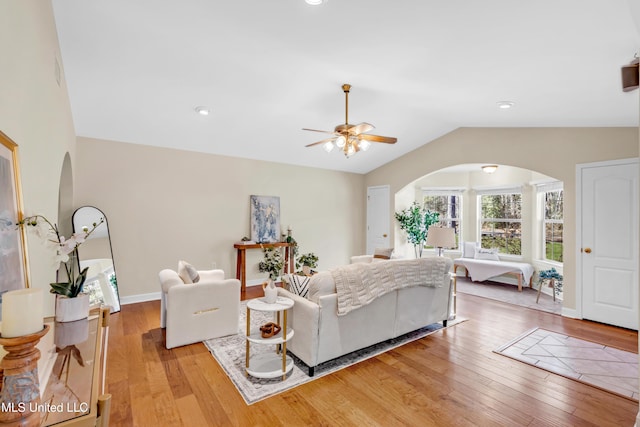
<point x="297" y="284"/>
<point x="187" y="272"/>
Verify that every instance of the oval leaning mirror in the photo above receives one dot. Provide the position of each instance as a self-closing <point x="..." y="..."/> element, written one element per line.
<point x="95" y="253"/>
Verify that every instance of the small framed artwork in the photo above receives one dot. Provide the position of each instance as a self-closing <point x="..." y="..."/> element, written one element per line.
<point x="13" y="260"/>
<point x="265" y="219"/>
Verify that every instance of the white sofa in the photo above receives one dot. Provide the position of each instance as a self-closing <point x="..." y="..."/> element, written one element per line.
<point x="321" y="334"/>
<point x="199" y="311"/>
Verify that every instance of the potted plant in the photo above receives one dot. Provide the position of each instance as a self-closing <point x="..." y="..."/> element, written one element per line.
<point x="272" y="263"/>
<point x="71" y="303"/>
<point x="415" y="222"/>
<point x="307" y="261"/>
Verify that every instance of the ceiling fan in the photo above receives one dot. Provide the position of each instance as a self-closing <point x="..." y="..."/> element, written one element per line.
<point x="350" y="138"/>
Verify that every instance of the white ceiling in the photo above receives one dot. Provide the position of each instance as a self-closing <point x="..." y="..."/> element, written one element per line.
<point x="267" y="68"/>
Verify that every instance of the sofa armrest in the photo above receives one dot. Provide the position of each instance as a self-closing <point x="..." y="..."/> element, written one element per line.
<point x="304" y="319"/>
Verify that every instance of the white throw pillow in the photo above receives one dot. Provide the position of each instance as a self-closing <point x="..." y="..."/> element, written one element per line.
<point x="469" y="249"/>
<point x="297" y="284"/>
<point x="187" y="272"/>
<point x="487" y="254"/>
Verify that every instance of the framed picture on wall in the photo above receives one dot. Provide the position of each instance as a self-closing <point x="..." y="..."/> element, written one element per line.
<point x="13" y="271"/>
<point x="265" y="219"/>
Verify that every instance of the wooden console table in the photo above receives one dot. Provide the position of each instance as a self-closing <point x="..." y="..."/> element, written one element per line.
<point x="241" y="261"/>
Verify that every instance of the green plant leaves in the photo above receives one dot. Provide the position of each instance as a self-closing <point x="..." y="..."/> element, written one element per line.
<point x="415" y="222"/>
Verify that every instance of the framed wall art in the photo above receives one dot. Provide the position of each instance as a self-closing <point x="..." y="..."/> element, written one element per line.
<point x="13" y="260"/>
<point x="265" y="219"/>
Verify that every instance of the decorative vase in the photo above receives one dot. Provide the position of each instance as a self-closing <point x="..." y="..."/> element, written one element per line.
<point x="72" y="309"/>
<point x="270" y="291"/>
<point x="306" y="269"/>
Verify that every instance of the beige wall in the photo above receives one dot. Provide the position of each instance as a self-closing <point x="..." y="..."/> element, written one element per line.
<point x="164" y="205"/>
<point x="35" y="114"/>
<point x="554" y="152"/>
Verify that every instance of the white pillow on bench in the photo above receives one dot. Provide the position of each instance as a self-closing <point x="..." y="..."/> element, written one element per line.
<point x="487" y="254"/>
<point x="469" y="249"/>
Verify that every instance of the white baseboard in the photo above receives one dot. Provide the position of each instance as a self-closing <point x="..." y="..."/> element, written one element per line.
<point x="132" y="299"/>
<point x="571" y="312"/>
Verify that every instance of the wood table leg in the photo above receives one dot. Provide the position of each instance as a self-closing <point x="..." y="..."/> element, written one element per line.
<point x="241" y="270"/>
<point x="539" y="289"/>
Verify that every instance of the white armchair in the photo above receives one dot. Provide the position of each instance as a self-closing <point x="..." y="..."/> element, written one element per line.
<point x="199" y="311"/>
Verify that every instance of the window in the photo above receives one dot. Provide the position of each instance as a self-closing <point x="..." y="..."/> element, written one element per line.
<point x="501" y="221"/>
<point x="552" y="201"/>
<point x="448" y="204"/>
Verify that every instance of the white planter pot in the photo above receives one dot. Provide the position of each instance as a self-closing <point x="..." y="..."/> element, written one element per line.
<point x="72" y="309"/>
<point x="71" y="333"/>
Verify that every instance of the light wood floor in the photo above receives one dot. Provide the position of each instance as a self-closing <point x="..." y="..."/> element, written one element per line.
<point x="450" y="378"/>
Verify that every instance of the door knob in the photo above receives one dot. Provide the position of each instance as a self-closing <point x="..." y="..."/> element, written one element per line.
<point x="384" y="235"/>
<point x="587" y="250"/>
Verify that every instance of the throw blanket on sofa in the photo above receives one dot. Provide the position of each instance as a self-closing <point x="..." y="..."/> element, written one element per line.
<point x="359" y="284"/>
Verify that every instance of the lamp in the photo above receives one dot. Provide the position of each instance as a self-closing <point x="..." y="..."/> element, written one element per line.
<point x="441" y="237"/>
<point x="489" y="168"/>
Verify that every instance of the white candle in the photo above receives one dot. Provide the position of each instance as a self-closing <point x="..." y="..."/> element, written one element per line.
<point x="22" y="312"/>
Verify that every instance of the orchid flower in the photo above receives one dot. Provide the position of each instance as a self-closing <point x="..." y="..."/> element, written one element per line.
<point x="65" y="251"/>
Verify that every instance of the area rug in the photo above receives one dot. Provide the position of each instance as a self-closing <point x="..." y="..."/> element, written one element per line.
<point x="598" y="365"/>
<point x="229" y="352"/>
<point x="510" y="294"/>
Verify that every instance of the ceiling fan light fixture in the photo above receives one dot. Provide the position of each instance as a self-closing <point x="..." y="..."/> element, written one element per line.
<point x="340" y="141"/>
<point x="489" y="168"/>
<point x="350" y="150"/>
<point x="314" y="2"/>
<point x="328" y="146"/>
<point x="364" y="145"/>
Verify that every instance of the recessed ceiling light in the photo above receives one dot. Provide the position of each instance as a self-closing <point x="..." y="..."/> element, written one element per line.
<point x="314" y="2"/>
<point x="504" y="105"/>
<point x="202" y="110"/>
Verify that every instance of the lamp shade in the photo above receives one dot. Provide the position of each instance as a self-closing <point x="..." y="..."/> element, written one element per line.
<point x="441" y="237"/>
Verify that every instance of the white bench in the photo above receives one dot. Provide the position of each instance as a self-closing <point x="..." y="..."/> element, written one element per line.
<point x="481" y="270"/>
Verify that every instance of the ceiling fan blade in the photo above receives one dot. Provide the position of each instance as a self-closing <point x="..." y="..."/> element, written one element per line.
<point x="321" y="131"/>
<point x="378" y="138"/>
<point x="361" y="128"/>
<point x="320" y="142"/>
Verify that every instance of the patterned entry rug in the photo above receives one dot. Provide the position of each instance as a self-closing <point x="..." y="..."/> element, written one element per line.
<point x="230" y="353"/>
<point x="598" y="365"/>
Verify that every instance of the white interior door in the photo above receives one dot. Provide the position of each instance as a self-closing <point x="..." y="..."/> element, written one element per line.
<point x="378" y="225"/>
<point x="609" y="243"/>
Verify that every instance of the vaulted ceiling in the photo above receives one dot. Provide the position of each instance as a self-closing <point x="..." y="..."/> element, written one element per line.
<point x="136" y="70"/>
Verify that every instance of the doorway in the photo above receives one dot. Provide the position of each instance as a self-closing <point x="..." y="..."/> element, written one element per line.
<point x="378" y="223"/>
<point x="607" y="234"/>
